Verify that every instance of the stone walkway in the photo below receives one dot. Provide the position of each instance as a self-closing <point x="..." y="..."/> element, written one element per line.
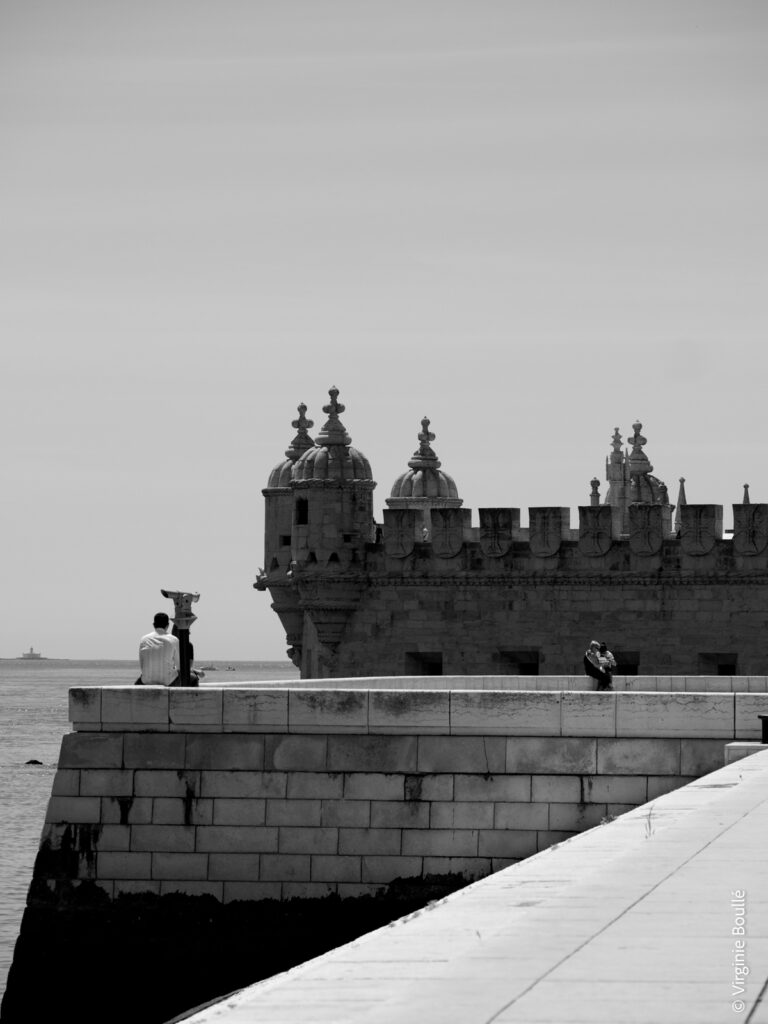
<point x="635" y="921"/>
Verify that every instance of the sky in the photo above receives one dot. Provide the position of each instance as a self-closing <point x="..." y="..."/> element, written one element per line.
<point x="530" y="220"/>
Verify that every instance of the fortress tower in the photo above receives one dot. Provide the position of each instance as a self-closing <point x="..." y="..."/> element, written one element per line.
<point x="319" y="519"/>
<point x="429" y="593"/>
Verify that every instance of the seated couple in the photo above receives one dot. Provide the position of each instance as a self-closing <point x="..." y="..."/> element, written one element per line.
<point x="600" y="664"/>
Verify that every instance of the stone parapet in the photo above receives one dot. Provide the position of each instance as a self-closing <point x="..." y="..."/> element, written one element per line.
<point x="443" y="706"/>
<point x="299" y="791"/>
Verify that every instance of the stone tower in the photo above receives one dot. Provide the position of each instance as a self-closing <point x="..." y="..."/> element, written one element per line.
<point x="319" y="519"/>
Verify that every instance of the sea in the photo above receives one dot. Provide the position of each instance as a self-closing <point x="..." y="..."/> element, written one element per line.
<point x="34" y="714"/>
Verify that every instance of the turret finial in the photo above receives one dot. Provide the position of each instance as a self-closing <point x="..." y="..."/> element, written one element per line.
<point x="594" y="498"/>
<point x="302" y="441"/>
<point x="638" y="460"/>
<point x="333" y="432"/>
<point x="424" y="456"/>
<point x="745" y="499"/>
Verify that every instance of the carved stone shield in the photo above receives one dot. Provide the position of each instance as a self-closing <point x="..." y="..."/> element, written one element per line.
<point x="750" y="529"/>
<point x="399" y="531"/>
<point x="646" y="529"/>
<point x="546" y="530"/>
<point x="496" y="531"/>
<point x="700" y="528"/>
<point x="447" y="531"/>
<point x="595" y="539"/>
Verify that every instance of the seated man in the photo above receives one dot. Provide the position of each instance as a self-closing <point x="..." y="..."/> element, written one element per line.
<point x="593" y="667"/>
<point x="159" y="655"/>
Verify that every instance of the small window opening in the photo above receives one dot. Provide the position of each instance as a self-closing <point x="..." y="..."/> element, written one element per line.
<point x="302" y="512"/>
<point x="517" y="663"/>
<point x="717" y="664"/>
<point x="627" y="662"/>
<point x="423" y="663"/>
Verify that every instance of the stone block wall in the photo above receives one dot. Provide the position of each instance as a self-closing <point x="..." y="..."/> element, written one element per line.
<point x="270" y="792"/>
<point x="671" y="624"/>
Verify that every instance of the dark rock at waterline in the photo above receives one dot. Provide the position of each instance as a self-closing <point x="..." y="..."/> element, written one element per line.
<point x="33" y="761"/>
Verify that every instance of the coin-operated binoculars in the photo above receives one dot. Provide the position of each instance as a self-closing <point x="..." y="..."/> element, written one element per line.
<point x="182" y="620"/>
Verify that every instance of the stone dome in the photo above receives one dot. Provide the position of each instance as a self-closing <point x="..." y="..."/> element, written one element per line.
<point x="337" y="462"/>
<point x="282" y="474"/>
<point x="424" y="479"/>
<point x="424" y="483"/>
<point x="332" y="457"/>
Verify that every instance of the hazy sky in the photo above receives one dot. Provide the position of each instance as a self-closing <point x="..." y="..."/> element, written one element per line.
<point x="531" y="221"/>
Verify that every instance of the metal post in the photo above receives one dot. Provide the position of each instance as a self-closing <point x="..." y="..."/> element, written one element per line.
<point x="182" y="620"/>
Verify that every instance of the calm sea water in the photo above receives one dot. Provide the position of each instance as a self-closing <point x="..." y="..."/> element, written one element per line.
<point x="33" y="718"/>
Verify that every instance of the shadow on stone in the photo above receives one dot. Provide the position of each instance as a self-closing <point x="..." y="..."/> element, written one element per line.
<point x="147" y="958"/>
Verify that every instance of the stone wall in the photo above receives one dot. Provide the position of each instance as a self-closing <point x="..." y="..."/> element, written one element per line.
<point x="476" y="623"/>
<point x="199" y="840"/>
<point x="270" y="792"/>
<point x="477" y="599"/>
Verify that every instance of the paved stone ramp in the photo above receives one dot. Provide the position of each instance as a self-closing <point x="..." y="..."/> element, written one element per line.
<point x="634" y="921"/>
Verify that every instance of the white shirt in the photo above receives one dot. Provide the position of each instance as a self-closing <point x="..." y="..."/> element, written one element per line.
<point x="159" y="658"/>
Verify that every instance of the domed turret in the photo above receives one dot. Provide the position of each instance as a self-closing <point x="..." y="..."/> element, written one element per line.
<point x="332" y="488"/>
<point x="424" y="485"/>
<point x="424" y="478"/>
<point x="281" y="475"/>
<point x="332" y="458"/>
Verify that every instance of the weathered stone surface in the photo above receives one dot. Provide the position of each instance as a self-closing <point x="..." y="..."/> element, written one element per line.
<point x="154" y="751"/>
<point x="485" y="754"/>
<point x="255" y="710"/>
<point x="675" y="714"/>
<point x="138" y="705"/>
<point x="638" y="756"/>
<point x="588" y="714"/>
<point x="91" y="750"/>
<point x="328" y="711"/>
<point x="409" y="712"/>
<point x="488" y="713"/>
<point x="558" y="755"/>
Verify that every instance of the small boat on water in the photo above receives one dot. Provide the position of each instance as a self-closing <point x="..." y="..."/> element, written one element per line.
<point x="209" y="668"/>
<point x="31" y="655"/>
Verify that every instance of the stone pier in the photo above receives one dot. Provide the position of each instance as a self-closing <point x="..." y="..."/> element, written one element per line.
<point x="222" y="834"/>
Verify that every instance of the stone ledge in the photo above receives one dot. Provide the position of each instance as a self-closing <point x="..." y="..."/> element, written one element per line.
<point x="330" y="711"/>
